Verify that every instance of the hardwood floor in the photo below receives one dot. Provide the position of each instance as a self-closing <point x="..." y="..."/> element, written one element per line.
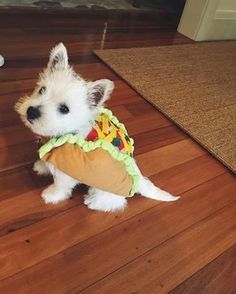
<point x="152" y="247"/>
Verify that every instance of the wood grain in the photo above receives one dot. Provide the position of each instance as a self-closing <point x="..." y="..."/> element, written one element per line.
<point x="121" y="244"/>
<point x="162" y="158"/>
<point x="164" y="267"/>
<point x="217" y="277"/>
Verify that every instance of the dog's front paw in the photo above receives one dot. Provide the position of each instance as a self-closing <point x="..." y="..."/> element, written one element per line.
<point x="40" y="168"/>
<point x="54" y="195"/>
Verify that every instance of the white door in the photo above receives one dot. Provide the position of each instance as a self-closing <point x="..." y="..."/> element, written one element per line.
<point x="209" y="20"/>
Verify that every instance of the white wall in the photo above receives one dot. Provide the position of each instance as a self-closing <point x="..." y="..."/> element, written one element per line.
<point x="209" y="20"/>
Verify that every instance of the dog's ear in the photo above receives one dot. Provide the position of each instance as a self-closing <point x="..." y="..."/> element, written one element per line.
<point x="58" y="59"/>
<point x="99" y="92"/>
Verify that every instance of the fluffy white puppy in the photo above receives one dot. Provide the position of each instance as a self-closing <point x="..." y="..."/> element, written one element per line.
<point x="63" y="102"/>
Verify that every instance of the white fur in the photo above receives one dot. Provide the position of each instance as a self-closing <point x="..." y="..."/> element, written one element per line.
<point x="62" y="187"/>
<point x="41" y="168"/>
<point x="104" y="201"/>
<point x="63" y="86"/>
<point x="1" y="60"/>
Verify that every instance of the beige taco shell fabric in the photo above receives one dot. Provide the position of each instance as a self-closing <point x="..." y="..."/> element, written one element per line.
<point x="96" y="168"/>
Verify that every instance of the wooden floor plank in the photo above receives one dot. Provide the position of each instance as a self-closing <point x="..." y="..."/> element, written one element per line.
<point x="189" y="174"/>
<point x="217" y="277"/>
<point x="29" y="208"/>
<point x="154" y="139"/>
<point x="10" y="88"/>
<point x="147" y="122"/>
<point x="164" y="267"/>
<point x="17" y="155"/>
<point x="162" y="158"/>
<point x="91" y="72"/>
<point x="125" y="241"/>
<point x="20" y="180"/>
<point x="74" y="226"/>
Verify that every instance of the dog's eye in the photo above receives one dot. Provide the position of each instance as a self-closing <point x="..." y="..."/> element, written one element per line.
<point x="42" y="90"/>
<point x="63" y="108"/>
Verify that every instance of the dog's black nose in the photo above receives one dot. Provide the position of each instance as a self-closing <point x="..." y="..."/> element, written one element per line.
<point x="33" y="113"/>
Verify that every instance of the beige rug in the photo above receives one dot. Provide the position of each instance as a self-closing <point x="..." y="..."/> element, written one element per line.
<point x="194" y="85"/>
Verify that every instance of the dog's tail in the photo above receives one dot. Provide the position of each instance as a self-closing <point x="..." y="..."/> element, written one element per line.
<point x="149" y="190"/>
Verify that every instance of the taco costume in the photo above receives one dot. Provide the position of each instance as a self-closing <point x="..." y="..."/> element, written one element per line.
<point x="103" y="160"/>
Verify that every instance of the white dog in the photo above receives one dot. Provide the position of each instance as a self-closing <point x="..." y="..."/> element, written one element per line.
<point x="63" y="102"/>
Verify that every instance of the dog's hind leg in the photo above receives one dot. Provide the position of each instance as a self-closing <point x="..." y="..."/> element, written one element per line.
<point x="104" y="201"/>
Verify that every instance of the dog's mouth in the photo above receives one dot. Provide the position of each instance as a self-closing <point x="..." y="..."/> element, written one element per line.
<point x="39" y="141"/>
<point x="29" y="120"/>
